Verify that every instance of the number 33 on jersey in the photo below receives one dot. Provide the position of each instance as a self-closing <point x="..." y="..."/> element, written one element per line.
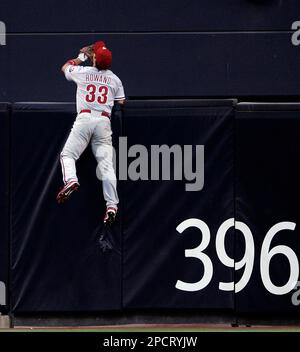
<point x="96" y="90"/>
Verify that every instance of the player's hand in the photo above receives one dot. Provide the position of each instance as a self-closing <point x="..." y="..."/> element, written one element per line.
<point x="88" y="51"/>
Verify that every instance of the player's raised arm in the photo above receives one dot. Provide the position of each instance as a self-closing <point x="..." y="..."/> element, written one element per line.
<point x="75" y="62"/>
<point x="85" y="53"/>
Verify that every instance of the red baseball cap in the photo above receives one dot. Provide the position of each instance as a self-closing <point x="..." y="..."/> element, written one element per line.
<point x="98" y="45"/>
<point x="103" y="58"/>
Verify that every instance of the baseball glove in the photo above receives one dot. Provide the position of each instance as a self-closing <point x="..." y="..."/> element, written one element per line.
<point x="88" y="51"/>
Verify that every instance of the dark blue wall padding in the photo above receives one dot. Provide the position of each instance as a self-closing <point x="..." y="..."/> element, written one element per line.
<point x="4" y="206"/>
<point x="267" y="192"/>
<point x="251" y="173"/>
<point x="154" y="253"/>
<point x="57" y="262"/>
<point x="143" y="15"/>
<point x="165" y="65"/>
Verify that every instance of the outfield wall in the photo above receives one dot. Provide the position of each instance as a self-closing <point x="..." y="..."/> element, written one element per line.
<point x="171" y="249"/>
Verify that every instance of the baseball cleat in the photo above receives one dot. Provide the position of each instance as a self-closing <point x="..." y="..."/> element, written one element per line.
<point x="110" y="216"/>
<point x="66" y="191"/>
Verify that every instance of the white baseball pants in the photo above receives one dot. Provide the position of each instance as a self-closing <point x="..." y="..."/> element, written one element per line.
<point x="94" y="128"/>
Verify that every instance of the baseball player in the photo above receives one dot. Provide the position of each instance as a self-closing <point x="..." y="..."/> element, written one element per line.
<point x="98" y="88"/>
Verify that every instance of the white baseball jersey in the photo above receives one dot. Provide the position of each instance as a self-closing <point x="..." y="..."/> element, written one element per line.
<point x="96" y="89"/>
